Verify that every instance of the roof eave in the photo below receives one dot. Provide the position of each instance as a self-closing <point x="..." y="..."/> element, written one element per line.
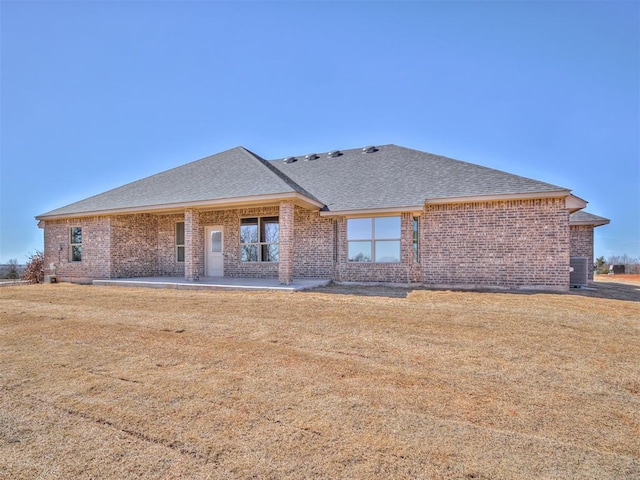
<point x="416" y="209"/>
<point x="217" y="204"/>
<point x="500" y="197"/>
<point x="590" y="223"/>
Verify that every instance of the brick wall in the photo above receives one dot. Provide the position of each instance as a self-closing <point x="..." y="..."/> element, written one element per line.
<point x="515" y="244"/>
<point x="313" y="244"/>
<point x="96" y="243"/>
<point x="134" y="240"/>
<point x="168" y="265"/>
<point x="230" y="220"/>
<point x="582" y="243"/>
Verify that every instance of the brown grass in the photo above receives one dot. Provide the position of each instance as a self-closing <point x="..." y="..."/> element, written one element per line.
<point x="100" y="382"/>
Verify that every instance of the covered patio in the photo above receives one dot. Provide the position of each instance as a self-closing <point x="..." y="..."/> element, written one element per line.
<point x="216" y="283"/>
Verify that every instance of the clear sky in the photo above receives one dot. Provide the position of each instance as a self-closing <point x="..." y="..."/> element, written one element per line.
<point x="96" y="94"/>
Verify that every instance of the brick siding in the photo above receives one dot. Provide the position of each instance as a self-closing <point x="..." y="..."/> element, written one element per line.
<point x="511" y="244"/>
<point x="135" y="246"/>
<point x="582" y="243"/>
<point x="96" y="245"/>
<point x="514" y="244"/>
<point x="168" y="265"/>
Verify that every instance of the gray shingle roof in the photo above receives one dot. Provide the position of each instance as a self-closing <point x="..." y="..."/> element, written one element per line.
<point x="230" y="174"/>
<point x="395" y="176"/>
<point x="585" y="218"/>
<point x="390" y="177"/>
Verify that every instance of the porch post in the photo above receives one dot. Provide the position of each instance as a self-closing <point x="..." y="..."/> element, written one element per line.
<point x="285" y="251"/>
<point x="191" y="245"/>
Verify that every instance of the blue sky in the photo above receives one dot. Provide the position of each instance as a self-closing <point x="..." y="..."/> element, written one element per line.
<point x="95" y="94"/>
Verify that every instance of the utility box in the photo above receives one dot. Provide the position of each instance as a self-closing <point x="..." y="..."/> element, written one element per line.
<point x="579" y="276"/>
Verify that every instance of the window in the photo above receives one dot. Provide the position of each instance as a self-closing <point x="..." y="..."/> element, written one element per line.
<point x="76" y="244"/>
<point x="259" y="239"/>
<point x="416" y="236"/>
<point x="180" y="241"/>
<point x="374" y="239"/>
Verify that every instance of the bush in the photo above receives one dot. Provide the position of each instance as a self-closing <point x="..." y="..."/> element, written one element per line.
<point x="34" y="272"/>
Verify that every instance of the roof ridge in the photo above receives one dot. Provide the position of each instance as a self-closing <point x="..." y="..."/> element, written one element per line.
<point x="283" y="176"/>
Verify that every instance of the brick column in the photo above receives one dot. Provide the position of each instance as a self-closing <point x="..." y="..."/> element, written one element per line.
<point x="285" y="266"/>
<point x="191" y="245"/>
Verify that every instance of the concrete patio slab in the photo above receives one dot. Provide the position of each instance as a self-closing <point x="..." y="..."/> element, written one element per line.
<point x="216" y="283"/>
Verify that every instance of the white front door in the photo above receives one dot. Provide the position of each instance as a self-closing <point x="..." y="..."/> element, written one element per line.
<point x="214" y="253"/>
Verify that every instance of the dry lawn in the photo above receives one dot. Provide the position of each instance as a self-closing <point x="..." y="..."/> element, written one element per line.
<point x="106" y="383"/>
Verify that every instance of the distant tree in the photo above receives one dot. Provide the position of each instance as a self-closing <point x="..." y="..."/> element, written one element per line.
<point x="631" y="264"/>
<point x="12" y="266"/>
<point x="34" y="272"/>
<point x="602" y="267"/>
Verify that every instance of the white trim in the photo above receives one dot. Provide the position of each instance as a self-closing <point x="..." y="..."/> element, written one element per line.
<point x="415" y="210"/>
<point x="218" y="204"/>
<point x="498" y="197"/>
<point x="574" y="203"/>
<point x="593" y="223"/>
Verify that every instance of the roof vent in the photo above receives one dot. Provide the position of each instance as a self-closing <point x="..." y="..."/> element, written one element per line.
<point x="369" y="149"/>
<point x="334" y="153"/>
<point x="311" y="156"/>
<point x="290" y="160"/>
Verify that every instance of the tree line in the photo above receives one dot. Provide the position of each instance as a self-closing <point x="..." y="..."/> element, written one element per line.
<point x="605" y="266"/>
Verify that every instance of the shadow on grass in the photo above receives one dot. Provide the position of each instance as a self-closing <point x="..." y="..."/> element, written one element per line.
<point x="610" y="290"/>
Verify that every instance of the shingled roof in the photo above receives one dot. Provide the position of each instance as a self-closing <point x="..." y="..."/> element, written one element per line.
<point x="391" y="176"/>
<point x="387" y="177"/>
<point x="586" y="218"/>
<point x="230" y="175"/>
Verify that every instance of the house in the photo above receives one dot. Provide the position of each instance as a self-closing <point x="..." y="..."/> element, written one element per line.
<point x="379" y="214"/>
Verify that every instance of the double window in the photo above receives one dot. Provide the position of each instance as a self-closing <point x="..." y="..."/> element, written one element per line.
<point x="259" y="237"/>
<point x="374" y="239"/>
<point x="76" y="244"/>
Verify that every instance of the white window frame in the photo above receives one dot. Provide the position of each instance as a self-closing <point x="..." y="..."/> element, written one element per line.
<point x="180" y="246"/>
<point x="415" y="239"/>
<point x="75" y="246"/>
<point x="373" y="240"/>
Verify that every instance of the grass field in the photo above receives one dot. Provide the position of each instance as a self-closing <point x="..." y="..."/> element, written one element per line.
<point x="119" y="383"/>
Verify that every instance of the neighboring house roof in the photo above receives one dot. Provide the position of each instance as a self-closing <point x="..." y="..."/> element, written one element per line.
<point x="586" y="218"/>
<point x="388" y="178"/>
<point x="229" y="176"/>
<point x="393" y="176"/>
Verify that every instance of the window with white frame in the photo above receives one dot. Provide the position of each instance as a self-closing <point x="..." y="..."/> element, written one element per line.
<point x="180" y="241"/>
<point x="374" y="239"/>
<point x="416" y="236"/>
<point x="259" y="237"/>
<point x="75" y="235"/>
